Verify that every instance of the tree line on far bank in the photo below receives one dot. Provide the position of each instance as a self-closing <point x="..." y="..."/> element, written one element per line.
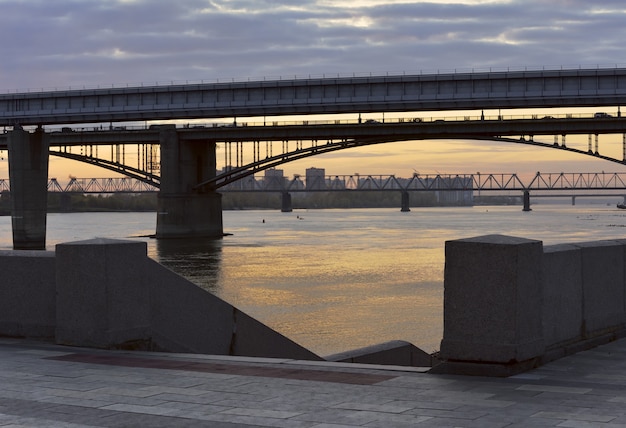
<point x="66" y="202"/>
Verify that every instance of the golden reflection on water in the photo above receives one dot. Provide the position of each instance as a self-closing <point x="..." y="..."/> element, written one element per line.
<point x="333" y="298"/>
<point x="334" y="280"/>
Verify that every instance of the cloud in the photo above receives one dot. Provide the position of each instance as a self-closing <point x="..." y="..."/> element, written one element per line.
<point x="100" y="42"/>
<point x="76" y="43"/>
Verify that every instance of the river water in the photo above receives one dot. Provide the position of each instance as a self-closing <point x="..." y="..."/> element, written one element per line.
<point x="334" y="280"/>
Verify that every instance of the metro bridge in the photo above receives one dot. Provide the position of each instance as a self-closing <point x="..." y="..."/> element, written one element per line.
<point x="188" y="200"/>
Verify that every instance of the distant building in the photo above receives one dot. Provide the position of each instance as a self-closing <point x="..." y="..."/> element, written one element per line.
<point x="246" y="183"/>
<point x="315" y="179"/>
<point x="274" y="179"/>
<point x="455" y="197"/>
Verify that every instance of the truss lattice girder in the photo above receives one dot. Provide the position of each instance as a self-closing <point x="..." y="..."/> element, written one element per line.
<point x="101" y="185"/>
<point x="439" y="182"/>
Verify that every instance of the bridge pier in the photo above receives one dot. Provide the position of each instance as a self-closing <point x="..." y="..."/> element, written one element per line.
<point x="286" y="203"/>
<point x="526" y="201"/>
<point x="28" y="172"/>
<point x="65" y="202"/>
<point x="182" y="211"/>
<point x="405" y="202"/>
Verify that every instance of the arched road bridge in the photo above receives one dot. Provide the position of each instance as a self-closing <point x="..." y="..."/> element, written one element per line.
<point x="189" y="206"/>
<point x="253" y="147"/>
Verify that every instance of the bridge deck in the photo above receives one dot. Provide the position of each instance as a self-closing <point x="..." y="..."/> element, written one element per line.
<point x="457" y="91"/>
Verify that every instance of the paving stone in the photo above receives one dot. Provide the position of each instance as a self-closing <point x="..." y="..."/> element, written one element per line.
<point x="53" y="386"/>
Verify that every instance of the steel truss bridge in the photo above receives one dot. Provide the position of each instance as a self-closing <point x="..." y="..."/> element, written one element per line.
<point x="578" y="183"/>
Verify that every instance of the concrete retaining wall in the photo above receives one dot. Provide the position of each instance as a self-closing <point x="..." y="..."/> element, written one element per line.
<point x="27" y="293"/>
<point x="510" y="304"/>
<point x="108" y="294"/>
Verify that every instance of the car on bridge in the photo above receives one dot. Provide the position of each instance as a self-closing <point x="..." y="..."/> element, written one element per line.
<point x="601" y="115"/>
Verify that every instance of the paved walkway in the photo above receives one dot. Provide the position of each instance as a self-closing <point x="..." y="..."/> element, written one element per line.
<point x="43" y="385"/>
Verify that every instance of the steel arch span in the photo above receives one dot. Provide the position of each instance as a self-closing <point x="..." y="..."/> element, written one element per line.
<point x="143" y="176"/>
<point x="252" y="168"/>
<point x="242" y="171"/>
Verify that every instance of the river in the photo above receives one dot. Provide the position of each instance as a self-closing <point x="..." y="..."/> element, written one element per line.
<point x="334" y="280"/>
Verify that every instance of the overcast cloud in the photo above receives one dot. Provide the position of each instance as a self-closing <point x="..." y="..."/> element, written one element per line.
<point x="61" y="43"/>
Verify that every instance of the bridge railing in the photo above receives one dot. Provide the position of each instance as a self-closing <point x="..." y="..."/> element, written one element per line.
<point x="244" y="79"/>
<point x="369" y="119"/>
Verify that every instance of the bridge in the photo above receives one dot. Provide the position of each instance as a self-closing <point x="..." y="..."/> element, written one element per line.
<point x="575" y="183"/>
<point x="252" y="147"/>
<point x="189" y="204"/>
<point x="452" y="188"/>
<point x="500" y="182"/>
<point x="327" y="95"/>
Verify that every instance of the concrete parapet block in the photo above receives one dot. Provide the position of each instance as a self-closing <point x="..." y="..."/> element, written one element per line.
<point x="395" y="353"/>
<point x="493" y="300"/>
<point x="102" y="300"/>
<point x="563" y="294"/>
<point x="27" y="294"/>
<point x="603" y="286"/>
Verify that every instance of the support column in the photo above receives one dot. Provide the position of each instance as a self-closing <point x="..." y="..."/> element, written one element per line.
<point x="526" y="201"/>
<point x="28" y="173"/>
<point x="405" y="202"/>
<point x="286" y="203"/>
<point x="182" y="211"/>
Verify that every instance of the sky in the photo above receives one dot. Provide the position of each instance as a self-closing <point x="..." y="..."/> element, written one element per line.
<point x="101" y="43"/>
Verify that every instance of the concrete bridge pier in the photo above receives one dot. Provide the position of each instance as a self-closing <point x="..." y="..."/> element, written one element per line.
<point x="526" y="200"/>
<point x="28" y="172"/>
<point x="405" y="203"/>
<point x="65" y="202"/>
<point x="182" y="211"/>
<point x="286" y="206"/>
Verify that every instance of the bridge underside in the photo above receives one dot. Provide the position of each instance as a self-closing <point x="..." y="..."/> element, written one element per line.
<point x="183" y="212"/>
